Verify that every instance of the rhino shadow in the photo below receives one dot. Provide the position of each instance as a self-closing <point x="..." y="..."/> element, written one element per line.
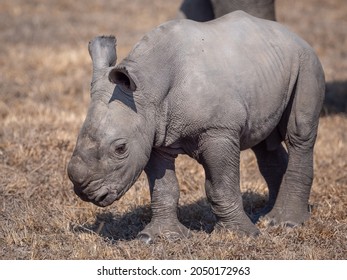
<point x="115" y="227"/>
<point x="196" y="216"/>
<point x="335" y="98"/>
<point x="199" y="217"/>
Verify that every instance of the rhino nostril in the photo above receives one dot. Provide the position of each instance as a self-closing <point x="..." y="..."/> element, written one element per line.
<point x="78" y="190"/>
<point x="80" y="194"/>
<point x="101" y="198"/>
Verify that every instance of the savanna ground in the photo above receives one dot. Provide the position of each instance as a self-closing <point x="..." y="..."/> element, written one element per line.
<point x="45" y="72"/>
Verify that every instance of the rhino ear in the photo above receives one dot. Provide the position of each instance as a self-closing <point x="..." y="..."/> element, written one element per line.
<point x="120" y="76"/>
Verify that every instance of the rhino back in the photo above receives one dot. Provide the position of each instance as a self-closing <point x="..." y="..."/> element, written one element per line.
<point x="236" y="72"/>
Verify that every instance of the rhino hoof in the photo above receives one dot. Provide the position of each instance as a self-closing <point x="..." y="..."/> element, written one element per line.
<point x="145" y="238"/>
<point x="249" y="230"/>
<point x="286" y="218"/>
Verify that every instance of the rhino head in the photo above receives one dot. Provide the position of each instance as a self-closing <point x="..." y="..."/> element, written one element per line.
<point x="115" y="141"/>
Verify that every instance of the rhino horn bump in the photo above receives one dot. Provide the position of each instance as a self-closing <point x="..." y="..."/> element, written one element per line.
<point x="102" y="50"/>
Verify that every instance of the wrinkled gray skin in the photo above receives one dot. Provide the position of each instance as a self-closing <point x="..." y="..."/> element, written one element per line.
<point x="208" y="90"/>
<point x="205" y="10"/>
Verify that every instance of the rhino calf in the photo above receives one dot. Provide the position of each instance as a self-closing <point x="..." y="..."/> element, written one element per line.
<point x="208" y="90"/>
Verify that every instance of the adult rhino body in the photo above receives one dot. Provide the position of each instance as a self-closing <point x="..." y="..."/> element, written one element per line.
<point x="206" y="10"/>
<point x="208" y="90"/>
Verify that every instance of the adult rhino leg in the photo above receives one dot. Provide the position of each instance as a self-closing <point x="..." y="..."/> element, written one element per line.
<point x="198" y="10"/>
<point x="291" y="206"/>
<point x="272" y="161"/>
<point x="220" y="158"/>
<point x="164" y="191"/>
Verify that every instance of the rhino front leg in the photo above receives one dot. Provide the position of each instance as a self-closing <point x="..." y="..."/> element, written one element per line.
<point x="164" y="190"/>
<point x="221" y="160"/>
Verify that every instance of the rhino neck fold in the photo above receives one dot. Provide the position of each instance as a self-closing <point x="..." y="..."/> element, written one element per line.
<point x="155" y="68"/>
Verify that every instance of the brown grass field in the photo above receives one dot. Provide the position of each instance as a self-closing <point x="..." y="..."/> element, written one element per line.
<point x="45" y="73"/>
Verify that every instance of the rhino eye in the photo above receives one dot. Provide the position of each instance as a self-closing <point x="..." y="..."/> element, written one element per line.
<point x="120" y="149"/>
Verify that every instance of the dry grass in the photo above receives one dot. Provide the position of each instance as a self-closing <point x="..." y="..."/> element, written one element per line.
<point x="45" y="73"/>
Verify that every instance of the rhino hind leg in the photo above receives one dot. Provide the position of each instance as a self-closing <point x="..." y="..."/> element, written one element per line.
<point x="272" y="161"/>
<point x="291" y="207"/>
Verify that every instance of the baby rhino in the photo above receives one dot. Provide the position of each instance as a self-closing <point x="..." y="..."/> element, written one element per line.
<point x="208" y="90"/>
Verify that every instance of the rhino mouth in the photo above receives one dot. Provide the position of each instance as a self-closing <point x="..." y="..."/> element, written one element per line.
<point x="106" y="199"/>
<point x="96" y="193"/>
